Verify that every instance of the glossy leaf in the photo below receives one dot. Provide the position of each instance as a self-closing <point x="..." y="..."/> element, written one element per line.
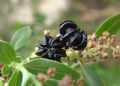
<point x="112" y="25"/>
<point x="90" y="76"/>
<point x="15" y="79"/>
<point x="7" y="53"/>
<point x="41" y="65"/>
<point x="20" y="37"/>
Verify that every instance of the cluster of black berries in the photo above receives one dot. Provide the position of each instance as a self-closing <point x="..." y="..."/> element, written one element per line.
<point x="70" y="36"/>
<point x="51" y="48"/>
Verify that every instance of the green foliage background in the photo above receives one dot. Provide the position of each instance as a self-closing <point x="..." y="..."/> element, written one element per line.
<point x="109" y="71"/>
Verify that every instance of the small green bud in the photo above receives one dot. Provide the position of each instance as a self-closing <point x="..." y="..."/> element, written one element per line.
<point x="72" y="54"/>
<point x="6" y="71"/>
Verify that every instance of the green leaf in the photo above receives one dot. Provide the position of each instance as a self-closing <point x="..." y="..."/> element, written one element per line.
<point x="90" y="76"/>
<point x="34" y="81"/>
<point x="18" y="59"/>
<point x="112" y="25"/>
<point x="25" y="78"/>
<point x="7" y="53"/>
<point x="28" y="79"/>
<point x="41" y="65"/>
<point x="25" y="74"/>
<point x="15" y="79"/>
<point x="20" y="37"/>
<point x="6" y="70"/>
<point x="51" y="82"/>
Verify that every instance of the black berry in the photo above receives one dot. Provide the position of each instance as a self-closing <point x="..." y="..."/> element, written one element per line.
<point x="51" y="48"/>
<point x="70" y="36"/>
<point x="66" y="26"/>
<point x="79" y="42"/>
<point x="73" y="35"/>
